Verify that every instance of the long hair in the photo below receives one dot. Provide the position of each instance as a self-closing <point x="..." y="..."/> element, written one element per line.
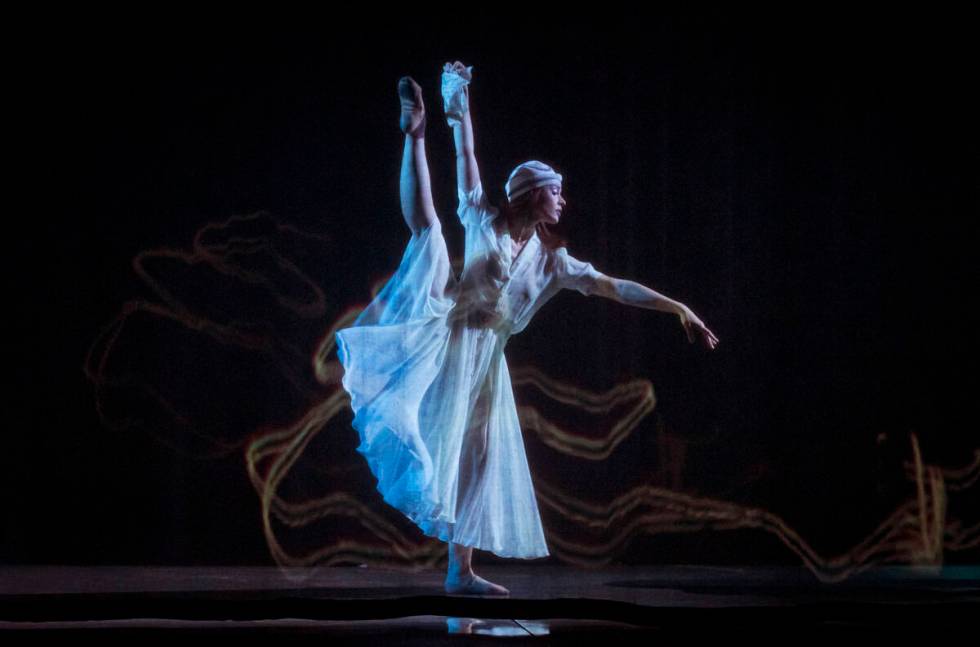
<point x="519" y="211"/>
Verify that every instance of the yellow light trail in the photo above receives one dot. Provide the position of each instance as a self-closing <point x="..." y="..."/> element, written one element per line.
<point x="917" y="532"/>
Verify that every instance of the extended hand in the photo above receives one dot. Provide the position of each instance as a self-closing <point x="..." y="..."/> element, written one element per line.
<point x="693" y="326"/>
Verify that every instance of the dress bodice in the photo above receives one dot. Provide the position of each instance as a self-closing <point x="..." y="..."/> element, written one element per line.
<point x="499" y="289"/>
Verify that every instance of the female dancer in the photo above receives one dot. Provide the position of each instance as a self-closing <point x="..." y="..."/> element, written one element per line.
<point x="424" y="363"/>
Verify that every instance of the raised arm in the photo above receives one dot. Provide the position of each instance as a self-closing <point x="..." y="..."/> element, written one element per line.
<point x="456" y="102"/>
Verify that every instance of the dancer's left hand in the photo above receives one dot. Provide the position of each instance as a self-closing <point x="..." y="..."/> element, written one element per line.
<point x="456" y="78"/>
<point x="460" y="69"/>
<point x="694" y="327"/>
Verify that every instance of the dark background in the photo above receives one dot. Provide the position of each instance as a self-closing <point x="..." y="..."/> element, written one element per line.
<point x="806" y="183"/>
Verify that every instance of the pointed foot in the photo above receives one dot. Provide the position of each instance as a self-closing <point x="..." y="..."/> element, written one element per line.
<point x="412" y="118"/>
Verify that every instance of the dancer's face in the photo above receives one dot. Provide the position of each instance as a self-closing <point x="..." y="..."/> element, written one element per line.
<point x="549" y="203"/>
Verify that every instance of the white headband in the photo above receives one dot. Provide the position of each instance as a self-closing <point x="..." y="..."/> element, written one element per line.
<point x="530" y="175"/>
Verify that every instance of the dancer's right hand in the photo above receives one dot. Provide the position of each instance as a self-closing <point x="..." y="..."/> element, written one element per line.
<point x="695" y="328"/>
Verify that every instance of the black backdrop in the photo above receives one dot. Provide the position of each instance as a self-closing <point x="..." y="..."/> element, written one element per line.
<point x="805" y="183"/>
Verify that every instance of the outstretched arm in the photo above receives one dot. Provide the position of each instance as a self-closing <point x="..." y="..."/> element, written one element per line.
<point x="632" y="293"/>
<point x="456" y="101"/>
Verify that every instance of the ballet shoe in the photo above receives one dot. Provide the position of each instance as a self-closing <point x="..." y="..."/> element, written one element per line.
<point x="412" y="119"/>
<point x="473" y="584"/>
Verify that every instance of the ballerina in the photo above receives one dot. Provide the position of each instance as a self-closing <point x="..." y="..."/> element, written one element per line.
<point x="424" y="363"/>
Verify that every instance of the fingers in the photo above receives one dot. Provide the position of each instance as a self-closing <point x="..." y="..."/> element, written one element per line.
<point x="707" y="337"/>
<point x="706" y="341"/>
<point x="691" y="323"/>
<point x="700" y="324"/>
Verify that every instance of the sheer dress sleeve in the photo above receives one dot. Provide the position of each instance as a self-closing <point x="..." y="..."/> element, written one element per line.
<point x="573" y="274"/>
<point x="474" y="208"/>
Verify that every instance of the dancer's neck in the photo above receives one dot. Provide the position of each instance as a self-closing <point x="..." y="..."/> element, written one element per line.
<point x="522" y="233"/>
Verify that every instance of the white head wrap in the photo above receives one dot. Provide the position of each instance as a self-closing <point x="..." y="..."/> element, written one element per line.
<point x="530" y="175"/>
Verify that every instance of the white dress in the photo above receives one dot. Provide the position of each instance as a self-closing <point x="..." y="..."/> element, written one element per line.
<point x="429" y="386"/>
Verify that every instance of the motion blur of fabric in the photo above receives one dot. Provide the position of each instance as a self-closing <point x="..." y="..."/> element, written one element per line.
<point x="429" y="386"/>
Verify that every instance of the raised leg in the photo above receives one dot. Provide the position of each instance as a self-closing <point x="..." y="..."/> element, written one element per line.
<point x="414" y="186"/>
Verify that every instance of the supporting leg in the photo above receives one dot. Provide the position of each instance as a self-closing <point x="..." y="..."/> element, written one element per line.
<point x="461" y="579"/>
<point x="460" y="558"/>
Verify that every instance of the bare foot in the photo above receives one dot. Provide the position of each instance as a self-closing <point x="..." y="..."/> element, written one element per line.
<point x="472" y="584"/>
<point x="412" y="120"/>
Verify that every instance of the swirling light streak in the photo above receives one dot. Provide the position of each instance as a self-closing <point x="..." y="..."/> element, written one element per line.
<point x="638" y="394"/>
<point x="917" y="532"/>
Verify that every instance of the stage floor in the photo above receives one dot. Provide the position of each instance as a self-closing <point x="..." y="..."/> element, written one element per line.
<point x="364" y="604"/>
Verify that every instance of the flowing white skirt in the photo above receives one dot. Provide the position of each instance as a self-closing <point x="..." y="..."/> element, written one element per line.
<point x="434" y="407"/>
